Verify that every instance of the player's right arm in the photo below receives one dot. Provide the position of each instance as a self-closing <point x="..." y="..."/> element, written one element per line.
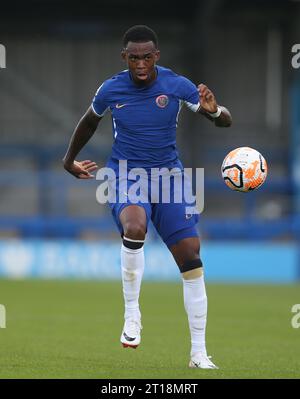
<point x="81" y="135"/>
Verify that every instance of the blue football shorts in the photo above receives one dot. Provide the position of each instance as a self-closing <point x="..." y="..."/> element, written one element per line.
<point x="168" y="214"/>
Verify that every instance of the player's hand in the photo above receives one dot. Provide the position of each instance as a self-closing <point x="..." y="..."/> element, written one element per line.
<point x="82" y="169"/>
<point x="207" y="99"/>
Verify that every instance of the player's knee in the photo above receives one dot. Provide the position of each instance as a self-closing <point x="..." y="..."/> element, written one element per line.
<point x="191" y="269"/>
<point x="135" y="230"/>
<point x="134" y="235"/>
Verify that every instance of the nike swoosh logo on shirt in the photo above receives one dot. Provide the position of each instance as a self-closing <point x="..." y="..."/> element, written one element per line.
<point x="120" y="105"/>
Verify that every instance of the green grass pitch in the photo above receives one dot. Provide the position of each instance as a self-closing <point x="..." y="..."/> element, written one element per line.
<point x="71" y="329"/>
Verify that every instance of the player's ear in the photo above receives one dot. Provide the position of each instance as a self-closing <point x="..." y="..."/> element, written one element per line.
<point x="157" y="55"/>
<point x="123" y="55"/>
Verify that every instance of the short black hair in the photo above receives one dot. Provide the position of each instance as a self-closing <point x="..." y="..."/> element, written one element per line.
<point x="140" y="34"/>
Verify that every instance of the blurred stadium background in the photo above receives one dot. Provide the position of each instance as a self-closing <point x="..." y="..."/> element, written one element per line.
<point x="58" y="53"/>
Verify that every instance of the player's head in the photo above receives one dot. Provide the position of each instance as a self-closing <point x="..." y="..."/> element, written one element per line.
<point x="140" y="51"/>
<point x="140" y="34"/>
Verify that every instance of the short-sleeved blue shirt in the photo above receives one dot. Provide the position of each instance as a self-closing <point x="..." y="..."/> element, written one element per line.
<point x="144" y="119"/>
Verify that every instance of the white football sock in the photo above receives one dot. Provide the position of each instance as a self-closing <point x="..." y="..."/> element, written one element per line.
<point x="132" y="265"/>
<point x="195" y="303"/>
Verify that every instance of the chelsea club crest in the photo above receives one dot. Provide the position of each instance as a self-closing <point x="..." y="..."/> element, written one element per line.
<point x="162" y="101"/>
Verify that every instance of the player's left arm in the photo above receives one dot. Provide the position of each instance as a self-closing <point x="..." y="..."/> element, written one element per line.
<point x="211" y="110"/>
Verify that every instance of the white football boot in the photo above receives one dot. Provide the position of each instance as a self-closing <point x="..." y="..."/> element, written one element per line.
<point x="201" y="361"/>
<point x="131" y="334"/>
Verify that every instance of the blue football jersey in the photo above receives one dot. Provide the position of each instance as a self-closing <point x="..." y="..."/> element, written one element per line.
<point x="144" y="119"/>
